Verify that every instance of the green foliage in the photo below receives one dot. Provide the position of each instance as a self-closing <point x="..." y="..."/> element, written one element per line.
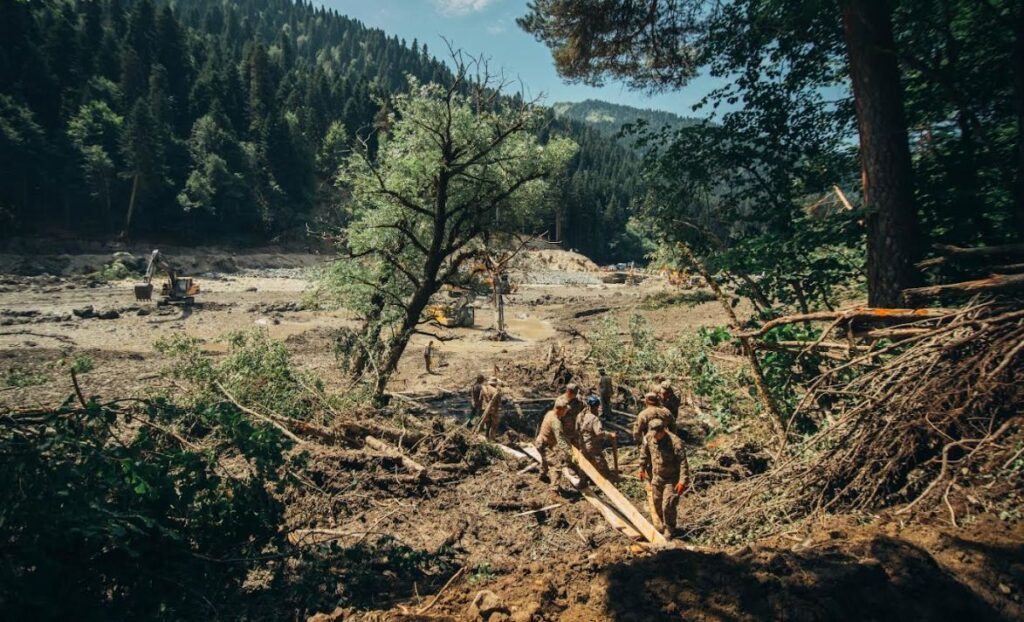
<point x="483" y="573"/>
<point x="112" y="521"/>
<point x="637" y="356"/>
<point x="18" y="376"/>
<point x="257" y="371"/>
<point x="82" y="364"/>
<point x="222" y="120"/>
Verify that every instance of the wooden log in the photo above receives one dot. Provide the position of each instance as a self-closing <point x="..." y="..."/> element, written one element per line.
<point x="994" y="283"/>
<point x="619" y="501"/>
<point x="407" y="462"/>
<point x="510" y="453"/>
<point x="614" y="518"/>
<point x="532" y="452"/>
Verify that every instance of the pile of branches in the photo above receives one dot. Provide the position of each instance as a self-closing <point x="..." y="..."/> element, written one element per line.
<point x="940" y="405"/>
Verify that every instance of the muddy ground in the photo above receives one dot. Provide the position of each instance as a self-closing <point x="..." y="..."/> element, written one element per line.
<point x="564" y="563"/>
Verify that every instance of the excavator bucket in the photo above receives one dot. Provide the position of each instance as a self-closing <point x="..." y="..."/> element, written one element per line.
<point x="144" y="291"/>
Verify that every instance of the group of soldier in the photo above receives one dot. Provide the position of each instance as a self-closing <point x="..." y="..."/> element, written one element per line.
<point x="576" y="422"/>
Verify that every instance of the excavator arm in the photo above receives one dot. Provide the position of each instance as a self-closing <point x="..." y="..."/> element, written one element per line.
<point x="174" y="290"/>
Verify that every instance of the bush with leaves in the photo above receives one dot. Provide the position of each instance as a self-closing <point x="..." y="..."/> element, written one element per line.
<point x="257" y="372"/>
<point x="107" y="512"/>
<point x="637" y="356"/>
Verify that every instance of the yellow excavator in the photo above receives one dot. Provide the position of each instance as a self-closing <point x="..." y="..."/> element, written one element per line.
<point x="176" y="290"/>
<point x="457" y="313"/>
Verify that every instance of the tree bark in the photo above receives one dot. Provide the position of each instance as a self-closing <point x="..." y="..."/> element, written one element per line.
<point x="131" y="207"/>
<point x="1018" y="104"/>
<point x="893" y="231"/>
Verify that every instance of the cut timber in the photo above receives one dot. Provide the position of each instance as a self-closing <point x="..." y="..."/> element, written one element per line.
<point x="408" y="462"/>
<point x="614" y="518"/>
<point x="611" y="514"/>
<point x="994" y="283"/>
<point x="511" y="453"/>
<point x="531" y="451"/>
<point x="619" y="501"/>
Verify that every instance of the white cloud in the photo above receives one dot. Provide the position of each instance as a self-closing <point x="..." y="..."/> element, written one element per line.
<point x="497" y="28"/>
<point x="462" y="7"/>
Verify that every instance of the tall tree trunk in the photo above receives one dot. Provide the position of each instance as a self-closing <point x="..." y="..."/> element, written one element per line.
<point x="396" y="348"/>
<point x="370" y="334"/>
<point x="1018" y="104"/>
<point x="131" y="206"/>
<point x="893" y="231"/>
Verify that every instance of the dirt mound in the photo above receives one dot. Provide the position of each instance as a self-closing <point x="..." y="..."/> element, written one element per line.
<point x="840" y="573"/>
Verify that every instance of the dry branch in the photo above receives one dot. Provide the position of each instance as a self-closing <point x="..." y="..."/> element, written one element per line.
<point x="872" y="313"/>
<point x="264" y="418"/>
<point x="774" y="415"/>
<point x="383" y="447"/>
<point x="957" y="385"/>
<point x="994" y="283"/>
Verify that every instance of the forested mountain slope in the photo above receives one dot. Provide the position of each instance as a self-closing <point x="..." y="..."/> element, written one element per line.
<point x="220" y="121"/>
<point x="608" y="118"/>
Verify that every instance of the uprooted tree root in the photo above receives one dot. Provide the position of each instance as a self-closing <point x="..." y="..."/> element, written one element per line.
<point x="944" y="408"/>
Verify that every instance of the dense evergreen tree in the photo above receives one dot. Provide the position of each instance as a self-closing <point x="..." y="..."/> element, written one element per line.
<point x="202" y="118"/>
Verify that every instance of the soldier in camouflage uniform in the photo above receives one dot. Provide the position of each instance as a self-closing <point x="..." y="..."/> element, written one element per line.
<point x="652" y="410"/>
<point x="593" y="436"/>
<point x="663" y="464"/>
<point x="552" y="443"/>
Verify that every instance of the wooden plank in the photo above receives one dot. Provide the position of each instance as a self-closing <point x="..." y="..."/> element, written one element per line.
<point x="531" y="451"/>
<point x="510" y="452"/>
<point x="614" y="518"/>
<point x="609" y="513"/>
<point x="619" y="501"/>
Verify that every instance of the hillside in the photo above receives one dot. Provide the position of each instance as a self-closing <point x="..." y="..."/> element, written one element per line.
<point x="197" y="121"/>
<point x="608" y="118"/>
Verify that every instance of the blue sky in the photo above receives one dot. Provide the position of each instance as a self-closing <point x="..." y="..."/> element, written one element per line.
<point x="488" y="27"/>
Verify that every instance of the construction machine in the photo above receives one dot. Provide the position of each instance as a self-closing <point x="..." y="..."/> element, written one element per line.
<point x="458" y="312"/>
<point x="176" y="290"/>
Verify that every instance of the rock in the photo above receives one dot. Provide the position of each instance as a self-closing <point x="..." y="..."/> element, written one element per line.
<point x="84" y="312"/>
<point x="109" y="314"/>
<point x="529" y="613"/>
<point x="128" y="260"/>
<point x="485" y="604"/>
<point x="250" y="289"/>
<point x="142" y="312"/>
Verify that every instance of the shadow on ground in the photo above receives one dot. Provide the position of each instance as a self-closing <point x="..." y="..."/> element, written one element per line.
<point x="875" y="579"/>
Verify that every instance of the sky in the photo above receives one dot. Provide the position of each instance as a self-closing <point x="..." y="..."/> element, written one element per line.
<point x="488" y="27"/>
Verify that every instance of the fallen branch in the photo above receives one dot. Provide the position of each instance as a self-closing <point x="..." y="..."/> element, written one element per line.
<point x="408" y="462"/>
<point x="543" y="509"/>
<point x="426" y="608"/>
<point x="774" y="415"/>
<point x="60" y="338"/>
<point x="288" y="433"/>
<point x="888" y="315"/>
<point x="994" y="283"/>
<point x="950" y="254"/>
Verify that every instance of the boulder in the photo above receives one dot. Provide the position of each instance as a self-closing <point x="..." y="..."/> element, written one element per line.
<point x="84" y="312"/>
